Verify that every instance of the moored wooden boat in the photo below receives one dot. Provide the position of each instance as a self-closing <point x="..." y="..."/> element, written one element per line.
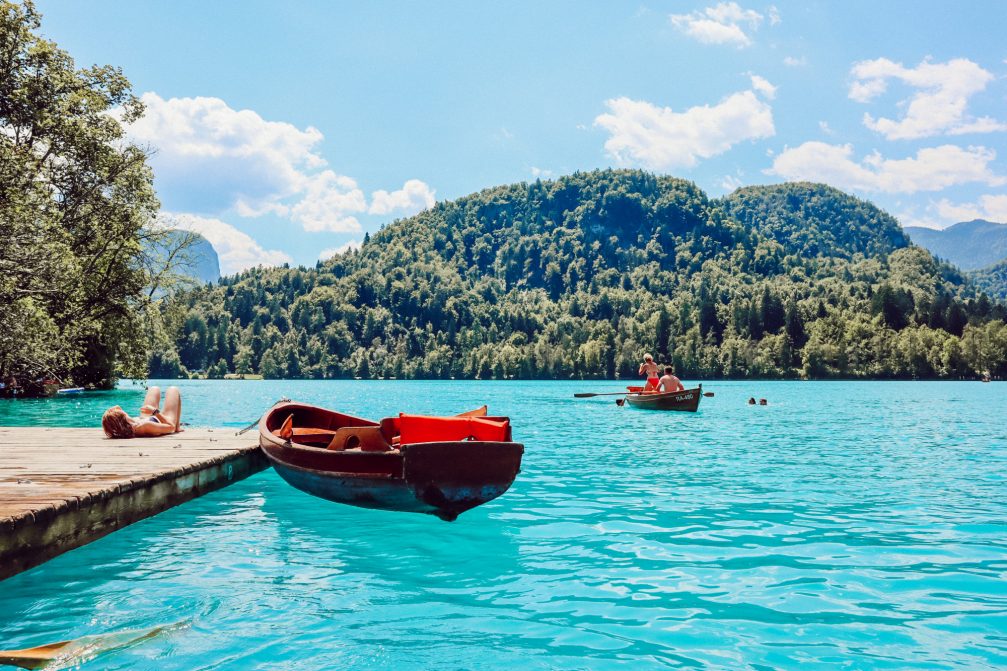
<point x="409" y="463"/>
<point x="686" y="400"/>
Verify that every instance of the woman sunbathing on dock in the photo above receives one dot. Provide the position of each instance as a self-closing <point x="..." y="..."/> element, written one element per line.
<point x="151" y="422"/>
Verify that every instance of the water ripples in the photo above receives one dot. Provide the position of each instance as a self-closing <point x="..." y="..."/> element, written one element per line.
<point x="845" y="525"/>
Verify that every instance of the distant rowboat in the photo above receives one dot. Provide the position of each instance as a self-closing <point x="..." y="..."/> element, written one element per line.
<point x="441" y="466"/>
<point x="686" y="400"/>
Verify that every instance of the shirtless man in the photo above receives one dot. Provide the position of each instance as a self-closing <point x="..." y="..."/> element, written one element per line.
<point x="669" y="382"/>
<point x="650" y="368"/>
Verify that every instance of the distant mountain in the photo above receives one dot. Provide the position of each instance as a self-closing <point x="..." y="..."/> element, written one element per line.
<point x="202" y="262"/>
<point x="199" y="261"/>
<point x="969" y="245"/>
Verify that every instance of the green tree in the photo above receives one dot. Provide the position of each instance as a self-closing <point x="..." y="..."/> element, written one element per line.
<point x="76" y="203"/>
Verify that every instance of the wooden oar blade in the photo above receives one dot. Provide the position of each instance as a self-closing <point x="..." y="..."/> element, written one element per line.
<point x="32" y="658"/>
<point x="79" y="650"/>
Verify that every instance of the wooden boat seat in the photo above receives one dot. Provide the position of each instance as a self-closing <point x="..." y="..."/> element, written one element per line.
<point x="308" y="433"/>
<point x="365" y="438"/>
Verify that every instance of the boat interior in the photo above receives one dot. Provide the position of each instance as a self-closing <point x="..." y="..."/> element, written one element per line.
<point x="319" y="428"/>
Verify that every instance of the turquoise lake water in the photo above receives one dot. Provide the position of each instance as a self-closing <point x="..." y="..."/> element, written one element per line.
<point x="843" y="526"/>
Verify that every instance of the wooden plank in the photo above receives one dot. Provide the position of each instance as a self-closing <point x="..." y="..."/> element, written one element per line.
<point x="62" y="488"/>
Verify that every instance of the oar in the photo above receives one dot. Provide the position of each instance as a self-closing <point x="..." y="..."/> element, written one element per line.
<point x="89" y="646"/>
<point x="708" y="394"/>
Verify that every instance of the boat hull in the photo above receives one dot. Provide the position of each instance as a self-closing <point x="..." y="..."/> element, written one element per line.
<point x="443" y="479"/>
<point x="445" y="500"/>
<point x="682" y="401"/>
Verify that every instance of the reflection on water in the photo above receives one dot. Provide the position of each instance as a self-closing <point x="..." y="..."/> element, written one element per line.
<point x="845" y="525"/>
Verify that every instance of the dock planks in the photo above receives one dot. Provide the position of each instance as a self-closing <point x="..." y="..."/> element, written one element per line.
<point x="62" y="488"/>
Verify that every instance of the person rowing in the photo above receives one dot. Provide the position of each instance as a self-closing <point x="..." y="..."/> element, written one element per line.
<point x="652" y="371"/>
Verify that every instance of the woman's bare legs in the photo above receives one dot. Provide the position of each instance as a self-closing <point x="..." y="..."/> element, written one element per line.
<point x="152" y="399"/>
<point x="173" y="407"/>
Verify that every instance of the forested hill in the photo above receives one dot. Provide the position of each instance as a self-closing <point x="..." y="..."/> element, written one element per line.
<point x="992" y="280"/>
<point x="580" y="276"/>
<point x="816" y="220"/>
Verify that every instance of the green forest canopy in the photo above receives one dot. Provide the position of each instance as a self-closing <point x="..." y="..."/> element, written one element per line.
<point x="578" y="277"/>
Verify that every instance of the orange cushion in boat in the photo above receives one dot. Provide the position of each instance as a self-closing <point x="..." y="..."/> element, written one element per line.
<point x="425" y="429"/>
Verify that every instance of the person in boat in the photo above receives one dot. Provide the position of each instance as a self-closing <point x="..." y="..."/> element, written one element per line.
<point x="669" y="382"/>
<point x="151" y="422"/>
<point x="652" y="371"/>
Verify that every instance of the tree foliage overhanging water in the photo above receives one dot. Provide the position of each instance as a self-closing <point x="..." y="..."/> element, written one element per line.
<point x="80" y="261"/>
<point x="578" y="277"/>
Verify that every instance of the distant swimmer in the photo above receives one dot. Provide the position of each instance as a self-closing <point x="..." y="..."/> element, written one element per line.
<point x="763" y="401"/>
<point x="751" y="400"/>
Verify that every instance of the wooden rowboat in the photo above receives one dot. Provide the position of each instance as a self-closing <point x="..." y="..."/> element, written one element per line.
<point x="442" y="466"/>
<point x="686" y="400"/>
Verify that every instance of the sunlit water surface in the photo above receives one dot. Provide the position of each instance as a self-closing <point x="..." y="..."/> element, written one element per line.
<point x="844" y="525"/>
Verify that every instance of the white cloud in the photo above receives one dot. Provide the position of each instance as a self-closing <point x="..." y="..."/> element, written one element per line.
<point x="730" y="183"/>
<point x="932" y="169"/>
<point x="414" y="196"/>
<point x="826" y="128"/>
<point x="332" y="251"/>
<point x="540" y="172"/>
<point x="211" y="158"/>
<point x="945" y="213"/>
<point x="795" y="62"/>
<point x="762" y="85"/>
<point x="909" y="217"/>
<point x="724" y="23"/>
<point x="237" y="250"/>
<point x="774" y="15"/>
<point x="328" y="204"/>
<point x="659" y="138"/>
<point x="939" y="104"/>
<point x="989" y="207"/>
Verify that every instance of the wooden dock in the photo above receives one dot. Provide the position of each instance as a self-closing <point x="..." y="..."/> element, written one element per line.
<point x="63" y="488"/>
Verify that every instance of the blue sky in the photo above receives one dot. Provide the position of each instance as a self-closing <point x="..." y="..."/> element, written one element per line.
<point x="284" y="131"/>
